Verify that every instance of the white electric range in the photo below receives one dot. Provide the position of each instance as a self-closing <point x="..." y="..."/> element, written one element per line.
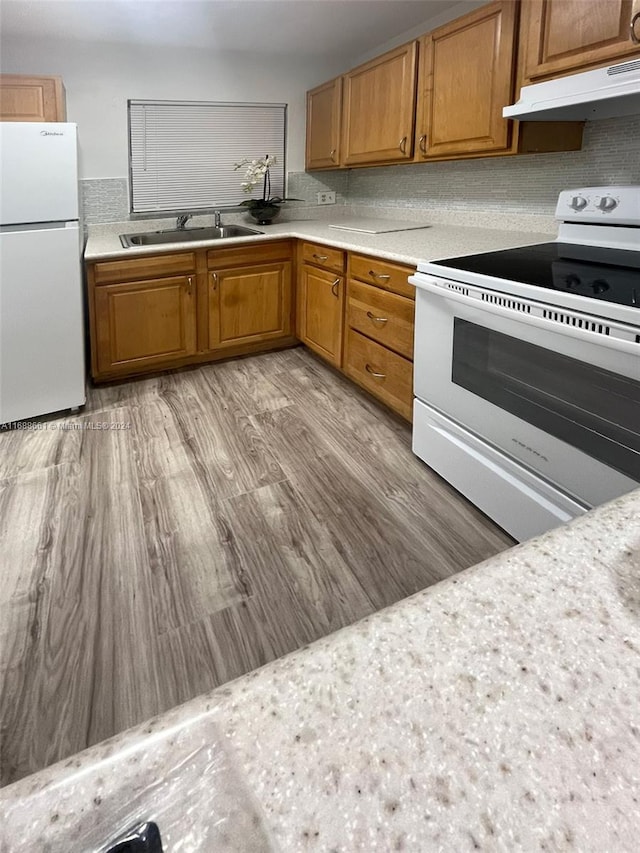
<point x="527" y="367"/>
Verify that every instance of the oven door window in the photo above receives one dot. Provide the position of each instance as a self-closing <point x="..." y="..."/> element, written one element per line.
<point x="594" y="410"/>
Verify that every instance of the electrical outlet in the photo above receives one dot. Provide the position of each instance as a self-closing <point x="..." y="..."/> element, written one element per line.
<point x="326" y="198"/>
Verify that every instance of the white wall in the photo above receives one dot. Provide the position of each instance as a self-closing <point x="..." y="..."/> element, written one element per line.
<point x="99" y="78"/>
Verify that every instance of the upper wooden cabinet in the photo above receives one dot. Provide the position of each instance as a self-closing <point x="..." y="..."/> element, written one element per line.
<point x="324" y="105"/>
<point x="31" y="98"/>
<point x="378" y="109"/>
<point x="466" y="78"/>
<point x="564" y="36"/>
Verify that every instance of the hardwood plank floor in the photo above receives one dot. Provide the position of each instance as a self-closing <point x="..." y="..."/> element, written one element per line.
<point x="246" y="509"/>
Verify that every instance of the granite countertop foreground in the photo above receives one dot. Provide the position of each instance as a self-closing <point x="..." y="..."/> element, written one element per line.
<point x="498" y="710"/>
<point x="440" y="239"/>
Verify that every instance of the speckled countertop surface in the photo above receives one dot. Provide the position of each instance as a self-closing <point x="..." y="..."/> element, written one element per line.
<point x="441" y="239"/>
<point x="496" y="711"/>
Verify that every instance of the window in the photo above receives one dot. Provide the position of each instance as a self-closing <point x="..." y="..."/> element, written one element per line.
<point x="182" y="154"/>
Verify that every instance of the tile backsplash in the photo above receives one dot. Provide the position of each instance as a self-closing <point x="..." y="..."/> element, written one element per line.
<point x="526" y="184"/>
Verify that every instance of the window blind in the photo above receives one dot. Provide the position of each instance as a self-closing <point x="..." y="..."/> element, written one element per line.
<point x="182" y="154"/>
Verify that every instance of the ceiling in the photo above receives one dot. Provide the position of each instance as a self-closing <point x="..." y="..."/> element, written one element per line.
<point x="302" y="27"/>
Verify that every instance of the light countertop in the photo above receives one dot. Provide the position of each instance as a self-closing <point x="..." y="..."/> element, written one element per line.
<point x="498" y="710"/>
<point x="439" y="240"/>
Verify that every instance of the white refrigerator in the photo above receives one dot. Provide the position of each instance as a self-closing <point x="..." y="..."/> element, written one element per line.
<point x="42" y="367"/>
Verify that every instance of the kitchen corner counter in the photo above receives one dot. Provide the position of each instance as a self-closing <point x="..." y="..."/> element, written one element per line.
<point x="498" y="710"/>
<point x="438" y="240"/>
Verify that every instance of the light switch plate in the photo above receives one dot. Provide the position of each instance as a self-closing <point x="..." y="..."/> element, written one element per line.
<point x="326" y="198"/>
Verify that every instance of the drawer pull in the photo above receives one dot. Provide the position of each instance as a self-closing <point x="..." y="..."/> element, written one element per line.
<point x="375" y="319"/>
<point x="332" y="155"/>
<point x="214" y="280"/>
<point x="379" y="275"/>
<point x="422" y="144"/>
<point x="334" y="287"/>
<point x="190" y="282"/>
<point x="374" y="373"/>
<point x="320" y="257"/>
<point x="632" y="28"/>
<point x="403" y="145"/>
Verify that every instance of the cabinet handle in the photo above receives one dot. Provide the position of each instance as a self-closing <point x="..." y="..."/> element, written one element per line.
<point x="190" y="283"/>
<point x="375" y="319"/>
<point x="632" y="28"/>
<point x="374" y="373"/>
<point x="214" y="280"/>
<point x="379" y="275"/>
<point x="403" y="145"/>
<point x="320" y="257"/>
<point x="332" y="155"/>
<point x="334" y="287"/>
<point x="422" y="144"/>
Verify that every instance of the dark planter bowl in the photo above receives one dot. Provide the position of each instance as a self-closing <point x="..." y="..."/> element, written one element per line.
<point x="265" y="214"/>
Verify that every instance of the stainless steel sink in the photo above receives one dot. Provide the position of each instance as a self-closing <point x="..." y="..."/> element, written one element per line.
<point x="157" y="238"/>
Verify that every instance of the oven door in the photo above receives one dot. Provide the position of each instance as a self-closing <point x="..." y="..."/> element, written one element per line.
<point x="556" y="390"/>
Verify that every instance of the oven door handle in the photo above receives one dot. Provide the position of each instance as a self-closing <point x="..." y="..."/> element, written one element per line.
<point x="620" y="345"/>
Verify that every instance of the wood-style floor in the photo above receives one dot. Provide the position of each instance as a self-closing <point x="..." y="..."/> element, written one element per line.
<point x="246" y="509"/>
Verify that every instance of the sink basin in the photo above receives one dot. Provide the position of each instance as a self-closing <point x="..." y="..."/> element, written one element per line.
<point x="157" y="238"/>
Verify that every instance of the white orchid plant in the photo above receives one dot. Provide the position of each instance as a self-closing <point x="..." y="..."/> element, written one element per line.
<point x="257" y="171"/>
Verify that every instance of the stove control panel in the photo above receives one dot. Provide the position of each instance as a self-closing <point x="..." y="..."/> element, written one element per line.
<point x="610" y="205"/>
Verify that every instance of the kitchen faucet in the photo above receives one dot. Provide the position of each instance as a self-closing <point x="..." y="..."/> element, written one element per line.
<point x="217" y="220"/>
<point x="182" y="221"/>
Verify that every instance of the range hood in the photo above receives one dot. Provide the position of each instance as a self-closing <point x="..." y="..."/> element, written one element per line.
<point x="603" y="93"/>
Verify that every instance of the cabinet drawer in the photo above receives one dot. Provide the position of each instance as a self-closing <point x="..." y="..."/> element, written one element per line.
<point x="383" y="316"/>
<point x="129" y="269"/>
<point x="383" y="274"/>
<point x="323" y="256"/>
<point x="385" y="374"/>
<point x="254" y="253"/>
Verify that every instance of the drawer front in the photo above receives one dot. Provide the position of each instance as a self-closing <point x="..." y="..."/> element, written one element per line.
<point x="323" y="256"/>
<point x="383" y="316"/>
<point x="253" y="253"/>
<point x="384" y="373"/>
<point x="383" y="274"/>
<point x="129" y="269"/>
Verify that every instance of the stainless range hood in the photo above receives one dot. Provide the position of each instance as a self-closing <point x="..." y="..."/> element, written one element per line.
<point x="603" y="93"/>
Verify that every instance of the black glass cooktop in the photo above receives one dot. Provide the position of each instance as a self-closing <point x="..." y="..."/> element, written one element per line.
<point x="612" y="275"/>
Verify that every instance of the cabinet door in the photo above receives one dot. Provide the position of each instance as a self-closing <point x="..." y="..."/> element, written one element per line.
<point x="378" y="109"/>
<point x="144" y="324"/>
<point x="466" y="74"/>
<point x="31" y="98"/>
<point x="249" y="304"/>
<point x="565" y="36"/>
<point x="324" y="104"/>
<point x="321" y="312"/>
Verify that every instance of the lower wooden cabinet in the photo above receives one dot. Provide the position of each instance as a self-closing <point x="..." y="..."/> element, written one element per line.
<point x="321" y="311"/>
<point x="387" y="375"/>
<point x="378" y="347"/>
<point x="155" y="312"/>
<point x="385" y="317"/>
<point x="249" y="304"/>
<point x="144" y="324"/>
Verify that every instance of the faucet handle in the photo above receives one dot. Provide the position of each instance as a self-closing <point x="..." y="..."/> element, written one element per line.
<point x="217" y="218"/>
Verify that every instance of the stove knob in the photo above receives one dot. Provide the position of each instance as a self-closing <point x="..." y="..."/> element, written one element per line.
<point x="607" y="203"/>
<point x="599" y="286"/>
<point x="578" y="202"/>
<point x="572" y="280"/>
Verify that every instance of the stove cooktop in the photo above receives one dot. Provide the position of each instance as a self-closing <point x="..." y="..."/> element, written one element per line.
<point x="608" y="274"/>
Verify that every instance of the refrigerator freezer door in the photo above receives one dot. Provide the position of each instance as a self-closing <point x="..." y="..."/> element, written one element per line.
<point x="39" y="177"/>
<point x="41" y="322"/>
